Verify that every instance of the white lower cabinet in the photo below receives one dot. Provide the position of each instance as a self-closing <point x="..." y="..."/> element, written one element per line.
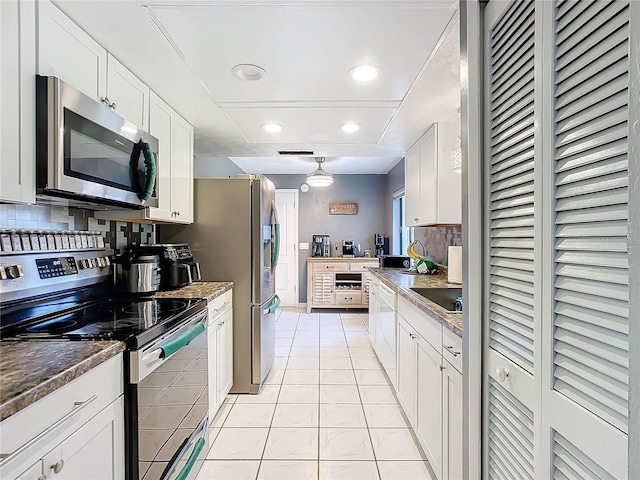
<point x="452" y="422"/>
<point x="76" y="432"/>
<point x="428" y="425"/>
<point x="220" y="353"/>
<point x="429" y="388"/>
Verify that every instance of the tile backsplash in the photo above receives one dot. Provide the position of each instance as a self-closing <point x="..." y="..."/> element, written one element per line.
<point x="437" y="240"/>
<point x="118" y="235"/>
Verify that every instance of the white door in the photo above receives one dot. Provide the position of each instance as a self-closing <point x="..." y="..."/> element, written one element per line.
<point x="287" y="268"/>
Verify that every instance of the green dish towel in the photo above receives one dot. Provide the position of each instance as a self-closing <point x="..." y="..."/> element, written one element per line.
<point x="184" y="339"/>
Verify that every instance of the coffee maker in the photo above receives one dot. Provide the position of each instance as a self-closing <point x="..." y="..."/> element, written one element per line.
<point x="321" y="246"/>
<point x="381" y="244"/>
<point x="347" y="248"/>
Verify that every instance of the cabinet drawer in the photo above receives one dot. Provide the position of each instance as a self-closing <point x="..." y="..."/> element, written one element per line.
<point x="104" y="382"/>
<point x="361" y="266"/>
<point x="330" y="267"/>
<point x="349" y="298"/>
<point x="219" y="306"/>
<point x="452" y="348"/>
<point x="387" y="295"/>
<point x="429" y="328"/>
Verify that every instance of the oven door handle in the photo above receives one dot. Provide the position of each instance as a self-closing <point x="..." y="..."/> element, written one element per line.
<point x="184" y="473"/>
<point x="169" y="348"/>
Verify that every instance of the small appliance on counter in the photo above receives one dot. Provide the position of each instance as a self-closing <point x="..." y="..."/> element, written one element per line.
<point x="321" y="246"/>
<point x="134" y="273"/>
<point x="395" y="261"/>
<point x="177" y="267"/>
<point x="348" y="247"/>
<point x="381" y="244"/>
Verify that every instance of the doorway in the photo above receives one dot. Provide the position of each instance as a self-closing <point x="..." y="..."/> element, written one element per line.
<point x="287" y="269"/>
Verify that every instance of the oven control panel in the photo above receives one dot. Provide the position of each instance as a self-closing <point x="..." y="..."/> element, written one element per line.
<point x="56" y="267"/>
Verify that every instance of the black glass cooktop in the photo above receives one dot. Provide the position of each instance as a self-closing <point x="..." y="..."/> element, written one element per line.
<point x="76" y="317"/>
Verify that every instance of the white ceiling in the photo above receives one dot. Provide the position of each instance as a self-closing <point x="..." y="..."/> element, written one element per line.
<point x="185" y="53"/>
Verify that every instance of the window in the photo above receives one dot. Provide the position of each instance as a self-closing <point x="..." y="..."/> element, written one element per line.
<point x="402" y="235"/>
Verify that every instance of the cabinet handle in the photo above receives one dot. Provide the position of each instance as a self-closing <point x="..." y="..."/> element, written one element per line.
<point x="57" y="467"/>
<point x="42" y="477"/>
<point x="453" y="352"/>
<point x="413" y="337"/>
<point x="415" y="220"/>
<point x="177" y="213"/>
<point x="502" y="373"/>
<point x="221" y="308"/>
<point x="442" y="368"/>
<point x="106" y="101"/>
<point x="77" y="407"/>
<point x="113" y="106"/>
<point x="330" y="266"/>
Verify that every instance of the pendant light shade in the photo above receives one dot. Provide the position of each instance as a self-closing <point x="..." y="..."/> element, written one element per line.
<point x="319" y="178"/>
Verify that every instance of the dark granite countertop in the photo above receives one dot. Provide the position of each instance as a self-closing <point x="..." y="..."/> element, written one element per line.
<point x="402" y="282"/>
<point x="30" y="371"/>
<point x="207" y="290"/>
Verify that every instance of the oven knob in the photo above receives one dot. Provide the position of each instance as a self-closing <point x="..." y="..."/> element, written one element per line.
<point x="99" y="262"/>
<point x="14" y="271"/>
<point x="3" y="273"/>
<point x="92" y="263"/>
<point x="106" y="260"/>
<point x="84" y="264"/>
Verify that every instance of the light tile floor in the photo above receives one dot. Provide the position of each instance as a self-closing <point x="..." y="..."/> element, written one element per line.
<point x="327" y="411"/>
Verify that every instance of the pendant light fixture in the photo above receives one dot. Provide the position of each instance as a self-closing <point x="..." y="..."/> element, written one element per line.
<point x="319" y="178"/>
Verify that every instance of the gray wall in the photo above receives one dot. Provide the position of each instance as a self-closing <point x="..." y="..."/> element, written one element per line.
<point x="313" y="213"/>
<point x="214" y="167"/>
<point x="395" y="181"/>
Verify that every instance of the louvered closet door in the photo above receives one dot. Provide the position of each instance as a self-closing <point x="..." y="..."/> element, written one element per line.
<point x="510" y="319"/>
<point x="586" y="346"/>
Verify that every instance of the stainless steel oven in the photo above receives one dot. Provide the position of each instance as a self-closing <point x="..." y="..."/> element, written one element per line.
<point x="167" y="397"/>
<point x="88" y="155"/>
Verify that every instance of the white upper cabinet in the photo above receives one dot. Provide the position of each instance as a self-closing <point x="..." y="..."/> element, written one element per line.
<point x="161" y="126"/>
<point x="182" y="172"/>
<point x="69" y="53"/>
<point x="17" y="97"/>
<point x="433" y="189"/>
<point x="127" y="94"/>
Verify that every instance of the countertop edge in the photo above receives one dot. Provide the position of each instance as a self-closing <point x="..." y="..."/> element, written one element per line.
<point x="41" y="390"/>
<point x="209" y="290"/>
<point x="427" y="306"/>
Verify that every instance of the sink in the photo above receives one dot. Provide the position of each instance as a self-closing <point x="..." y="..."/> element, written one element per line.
<point x="445" y="297"/>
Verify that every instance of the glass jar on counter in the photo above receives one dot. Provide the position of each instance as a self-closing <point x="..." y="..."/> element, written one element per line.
<point x="25" y="240"/>
<point x="33" y="238"/>
<point x="5" y="241"/>
<point x="42" y="239"/>
<point x="16" y="244"/>
<point x="65" y="239"/>
<point x="51" y="243"/>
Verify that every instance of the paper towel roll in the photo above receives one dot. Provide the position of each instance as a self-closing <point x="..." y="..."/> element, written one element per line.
<point x="455" y="264"/>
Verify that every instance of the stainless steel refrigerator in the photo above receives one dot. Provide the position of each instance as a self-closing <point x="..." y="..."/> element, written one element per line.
<point x="235" y="237"/>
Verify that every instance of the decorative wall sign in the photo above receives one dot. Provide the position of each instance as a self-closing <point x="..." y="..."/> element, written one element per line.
<point x="343" y="208"/>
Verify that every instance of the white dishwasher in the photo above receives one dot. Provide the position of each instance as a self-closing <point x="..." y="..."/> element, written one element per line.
<point x="386" y="331"/>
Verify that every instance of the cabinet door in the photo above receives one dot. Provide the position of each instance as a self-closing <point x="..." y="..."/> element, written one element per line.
<point x="182" y="172"/>
<point x="17" y="97"/>
<point x="67" y="52"/>
<point x="429" y="403"/>
<point x="322" y="285"/>
<point x="127" y="93"/>
<point x="95" y="451"/>
<point x="212" y="365"/>
<point x="452" y="423"/>
<point x="161" y="125"/>
<point x="225" y="355"/>
<point x="407" y="371"/>
<point x="412" y="185"/>
<point x="428" y="177"/>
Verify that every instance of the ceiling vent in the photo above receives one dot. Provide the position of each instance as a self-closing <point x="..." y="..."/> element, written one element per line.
<point x="298" y="153"/>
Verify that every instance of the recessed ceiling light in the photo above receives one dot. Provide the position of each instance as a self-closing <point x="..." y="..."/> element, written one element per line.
<point x="364" y="73"/>
<point x="350" y="127"/>
<point x="272" y="127"/>
<point x="246" y="71"/>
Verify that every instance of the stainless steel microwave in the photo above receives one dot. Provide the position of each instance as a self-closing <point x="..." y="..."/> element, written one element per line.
<point x="89" y="156"/>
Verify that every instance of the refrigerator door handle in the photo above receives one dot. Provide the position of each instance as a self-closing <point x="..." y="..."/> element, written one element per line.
<point x="273" y="307"/>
